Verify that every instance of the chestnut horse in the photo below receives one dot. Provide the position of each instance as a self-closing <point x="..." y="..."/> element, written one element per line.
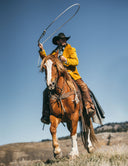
<point x="66" y="106"/>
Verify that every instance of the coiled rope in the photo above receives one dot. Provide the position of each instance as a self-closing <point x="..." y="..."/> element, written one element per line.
<point x="44" y="32"/>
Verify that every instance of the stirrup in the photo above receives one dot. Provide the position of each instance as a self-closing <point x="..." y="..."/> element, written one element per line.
<point x="45" y="120"/>
<point x="91" y="112"/>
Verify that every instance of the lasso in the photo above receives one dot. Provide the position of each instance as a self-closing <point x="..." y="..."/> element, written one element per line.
<point x="44" y="32"/>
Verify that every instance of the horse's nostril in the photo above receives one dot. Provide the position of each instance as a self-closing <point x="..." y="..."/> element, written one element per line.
<point x="51" y="86"/>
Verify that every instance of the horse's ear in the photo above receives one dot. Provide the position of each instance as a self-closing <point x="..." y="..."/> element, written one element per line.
<point x="56" y="54"/>
<point x="42" y="55"/>
<point x="42" y="64"/>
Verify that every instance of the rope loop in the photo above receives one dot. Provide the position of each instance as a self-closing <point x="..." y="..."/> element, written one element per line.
<point x="44" y="32"/>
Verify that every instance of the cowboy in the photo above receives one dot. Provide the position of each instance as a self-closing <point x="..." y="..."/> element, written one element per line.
<point x="68" y="56"/>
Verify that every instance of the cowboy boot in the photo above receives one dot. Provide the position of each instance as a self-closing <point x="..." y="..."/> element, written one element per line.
<point x="45" y="110"/>
<point x="87" y="101"/>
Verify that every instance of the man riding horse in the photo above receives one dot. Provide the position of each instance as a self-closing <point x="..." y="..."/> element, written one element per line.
<point x="68" y="56"/>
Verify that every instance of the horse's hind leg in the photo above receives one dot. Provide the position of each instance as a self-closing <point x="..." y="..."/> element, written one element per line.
<point x="90" y="147"/>
<point x="56" y="149"/>
<point x="90" y="137"/>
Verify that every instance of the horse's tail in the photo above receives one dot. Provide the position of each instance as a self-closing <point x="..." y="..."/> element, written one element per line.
<point x="86" y="127"/>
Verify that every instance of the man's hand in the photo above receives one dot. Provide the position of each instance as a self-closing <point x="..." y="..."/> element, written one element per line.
<point x="63" y="59"/>
<point x="41" y="46"/>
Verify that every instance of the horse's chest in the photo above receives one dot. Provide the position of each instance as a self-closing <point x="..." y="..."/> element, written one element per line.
<point x="61" y="106"/>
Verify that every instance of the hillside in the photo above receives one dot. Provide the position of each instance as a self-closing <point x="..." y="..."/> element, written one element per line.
<point x="111" y="150"/>
<point x="113" y="127"/>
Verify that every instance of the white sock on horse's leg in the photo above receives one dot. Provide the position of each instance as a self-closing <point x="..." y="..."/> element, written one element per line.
<point x="88" y="139"/>
<point x="74" y="145"/>
<point x="89" y="143"/>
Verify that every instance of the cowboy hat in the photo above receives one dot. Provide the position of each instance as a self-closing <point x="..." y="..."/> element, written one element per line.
<point x="60" y="36"/>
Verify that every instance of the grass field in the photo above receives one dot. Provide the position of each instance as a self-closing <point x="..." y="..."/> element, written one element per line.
<point x="111" y="151"/>
<point x="111" y="158"/>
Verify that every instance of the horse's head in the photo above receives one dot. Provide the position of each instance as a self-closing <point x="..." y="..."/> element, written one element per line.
<point x="53" y="69"/>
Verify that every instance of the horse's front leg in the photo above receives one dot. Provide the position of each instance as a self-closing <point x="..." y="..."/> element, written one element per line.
<point x="56" y="149"/>
<point x="72" y="126"/>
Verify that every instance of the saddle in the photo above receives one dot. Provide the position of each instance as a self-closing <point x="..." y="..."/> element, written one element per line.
<point x="98" y="117"/>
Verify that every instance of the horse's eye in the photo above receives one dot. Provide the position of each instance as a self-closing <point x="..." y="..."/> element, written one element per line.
<point x="43" y="68"/>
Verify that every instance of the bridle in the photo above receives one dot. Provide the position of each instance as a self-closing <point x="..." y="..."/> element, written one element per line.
<point x="58" y="97"/>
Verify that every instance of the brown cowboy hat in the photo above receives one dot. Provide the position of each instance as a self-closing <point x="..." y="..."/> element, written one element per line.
<point x="60" y="36"/>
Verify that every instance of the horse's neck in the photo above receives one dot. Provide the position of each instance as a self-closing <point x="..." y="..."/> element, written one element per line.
<point x="62" y="85"/>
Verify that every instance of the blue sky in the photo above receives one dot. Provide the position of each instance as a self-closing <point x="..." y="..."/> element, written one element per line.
<point x="99" y="32"/>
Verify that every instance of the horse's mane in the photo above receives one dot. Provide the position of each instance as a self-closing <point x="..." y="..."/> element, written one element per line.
<point x="61" y="69"/>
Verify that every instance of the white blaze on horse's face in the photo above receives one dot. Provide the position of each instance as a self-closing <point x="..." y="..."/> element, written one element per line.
<point x="50" y="84"/>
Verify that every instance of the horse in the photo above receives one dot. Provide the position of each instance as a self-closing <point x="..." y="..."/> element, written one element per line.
<point x="66" y="106"/>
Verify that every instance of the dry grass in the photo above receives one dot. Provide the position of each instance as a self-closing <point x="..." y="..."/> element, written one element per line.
<point x="40" y="154"/>
<point x="95" y="159"/>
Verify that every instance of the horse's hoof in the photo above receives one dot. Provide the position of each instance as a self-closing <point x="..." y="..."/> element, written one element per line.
<point x="58" y="156"/>
<point x="73" y="156"/>
<point x="90" y="149"/>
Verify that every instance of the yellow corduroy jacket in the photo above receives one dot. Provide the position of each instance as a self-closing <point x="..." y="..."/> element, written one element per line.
<point x="72" y="60"/>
